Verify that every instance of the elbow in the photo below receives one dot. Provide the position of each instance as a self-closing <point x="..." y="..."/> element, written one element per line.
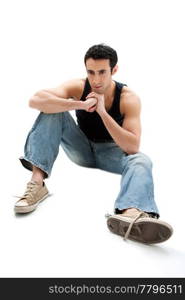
<point x="31" y="103"/>
<point x="133" y="149"/>
<point x="34" y="102"/>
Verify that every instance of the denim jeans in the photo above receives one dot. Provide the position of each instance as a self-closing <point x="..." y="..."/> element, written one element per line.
<point x="52" y="130"/>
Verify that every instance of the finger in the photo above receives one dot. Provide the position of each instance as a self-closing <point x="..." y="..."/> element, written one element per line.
<point x="90" y="94"/>
<point x="92" y="100"/>
<point x="90" y="97"/>
<point x="91" y="109"/>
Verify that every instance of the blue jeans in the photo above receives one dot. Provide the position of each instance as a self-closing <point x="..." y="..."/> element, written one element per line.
<point x="52" y="130"/>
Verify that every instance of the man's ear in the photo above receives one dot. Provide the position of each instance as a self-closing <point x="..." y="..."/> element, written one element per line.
<point x="114" y="70"/>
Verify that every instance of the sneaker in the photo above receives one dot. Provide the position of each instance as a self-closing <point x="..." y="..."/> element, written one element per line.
<point x="33" y="195"/>
<point x="141" y="228"/>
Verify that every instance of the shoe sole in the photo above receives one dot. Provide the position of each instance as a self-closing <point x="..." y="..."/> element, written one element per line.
<point x="29" y="208"/>
<point x="144" y="230"/>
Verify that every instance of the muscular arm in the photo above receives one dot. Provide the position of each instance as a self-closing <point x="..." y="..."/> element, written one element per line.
<point x="127" y="136"/>
<point x="60" y="99"/>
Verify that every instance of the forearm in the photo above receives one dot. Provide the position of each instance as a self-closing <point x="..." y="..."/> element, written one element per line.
<point x="49" y="103"/>
<point x="125" y="139"/>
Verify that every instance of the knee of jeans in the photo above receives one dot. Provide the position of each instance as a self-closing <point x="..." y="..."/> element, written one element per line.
<point x="47" y="121"/>
<point x="140" y="158"/>
<point x="50" y="117"/>
<point x="78" y="160"/>
<point x="83" y="163"/>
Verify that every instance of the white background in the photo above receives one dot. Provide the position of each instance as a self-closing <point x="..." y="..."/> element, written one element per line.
<point x="43" y="44"/>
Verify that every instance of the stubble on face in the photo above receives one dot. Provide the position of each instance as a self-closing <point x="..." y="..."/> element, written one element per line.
<point x="99" y="75"/>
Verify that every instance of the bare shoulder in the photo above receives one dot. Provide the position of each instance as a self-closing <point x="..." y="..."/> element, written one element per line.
<point x="69" y="89"/>
<point x="130" y="101"/>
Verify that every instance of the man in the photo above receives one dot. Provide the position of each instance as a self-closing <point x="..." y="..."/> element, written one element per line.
<point x="106" y="136"/>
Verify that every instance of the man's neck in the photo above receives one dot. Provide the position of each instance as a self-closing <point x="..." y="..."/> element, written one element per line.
<point x="110" y="91"/>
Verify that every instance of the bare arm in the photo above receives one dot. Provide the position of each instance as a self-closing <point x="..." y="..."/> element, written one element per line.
<point x="60" y="99"/>
<point x="127" y="136"/>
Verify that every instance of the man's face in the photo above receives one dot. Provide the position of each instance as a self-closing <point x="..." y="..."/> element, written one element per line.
<point x="99" y="74"/>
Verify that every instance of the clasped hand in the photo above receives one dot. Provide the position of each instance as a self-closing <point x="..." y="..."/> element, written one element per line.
<point x="99" y="105"/>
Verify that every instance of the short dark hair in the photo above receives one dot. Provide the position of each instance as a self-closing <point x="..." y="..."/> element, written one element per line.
<point x="102" y="51"/>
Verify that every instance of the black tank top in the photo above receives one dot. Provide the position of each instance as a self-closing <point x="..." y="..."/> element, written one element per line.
<point x="91" y="123"/>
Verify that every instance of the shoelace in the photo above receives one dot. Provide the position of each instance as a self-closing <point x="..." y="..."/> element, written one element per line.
<point x="27" y="194"/>
<point x="142" y="213"/>
<point x="132" y="223"/>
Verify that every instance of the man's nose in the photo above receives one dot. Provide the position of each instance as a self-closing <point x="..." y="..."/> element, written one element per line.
<point x="96" y="79"/>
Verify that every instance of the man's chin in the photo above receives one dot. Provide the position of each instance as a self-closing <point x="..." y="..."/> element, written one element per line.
<point x="98" y="90"/>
